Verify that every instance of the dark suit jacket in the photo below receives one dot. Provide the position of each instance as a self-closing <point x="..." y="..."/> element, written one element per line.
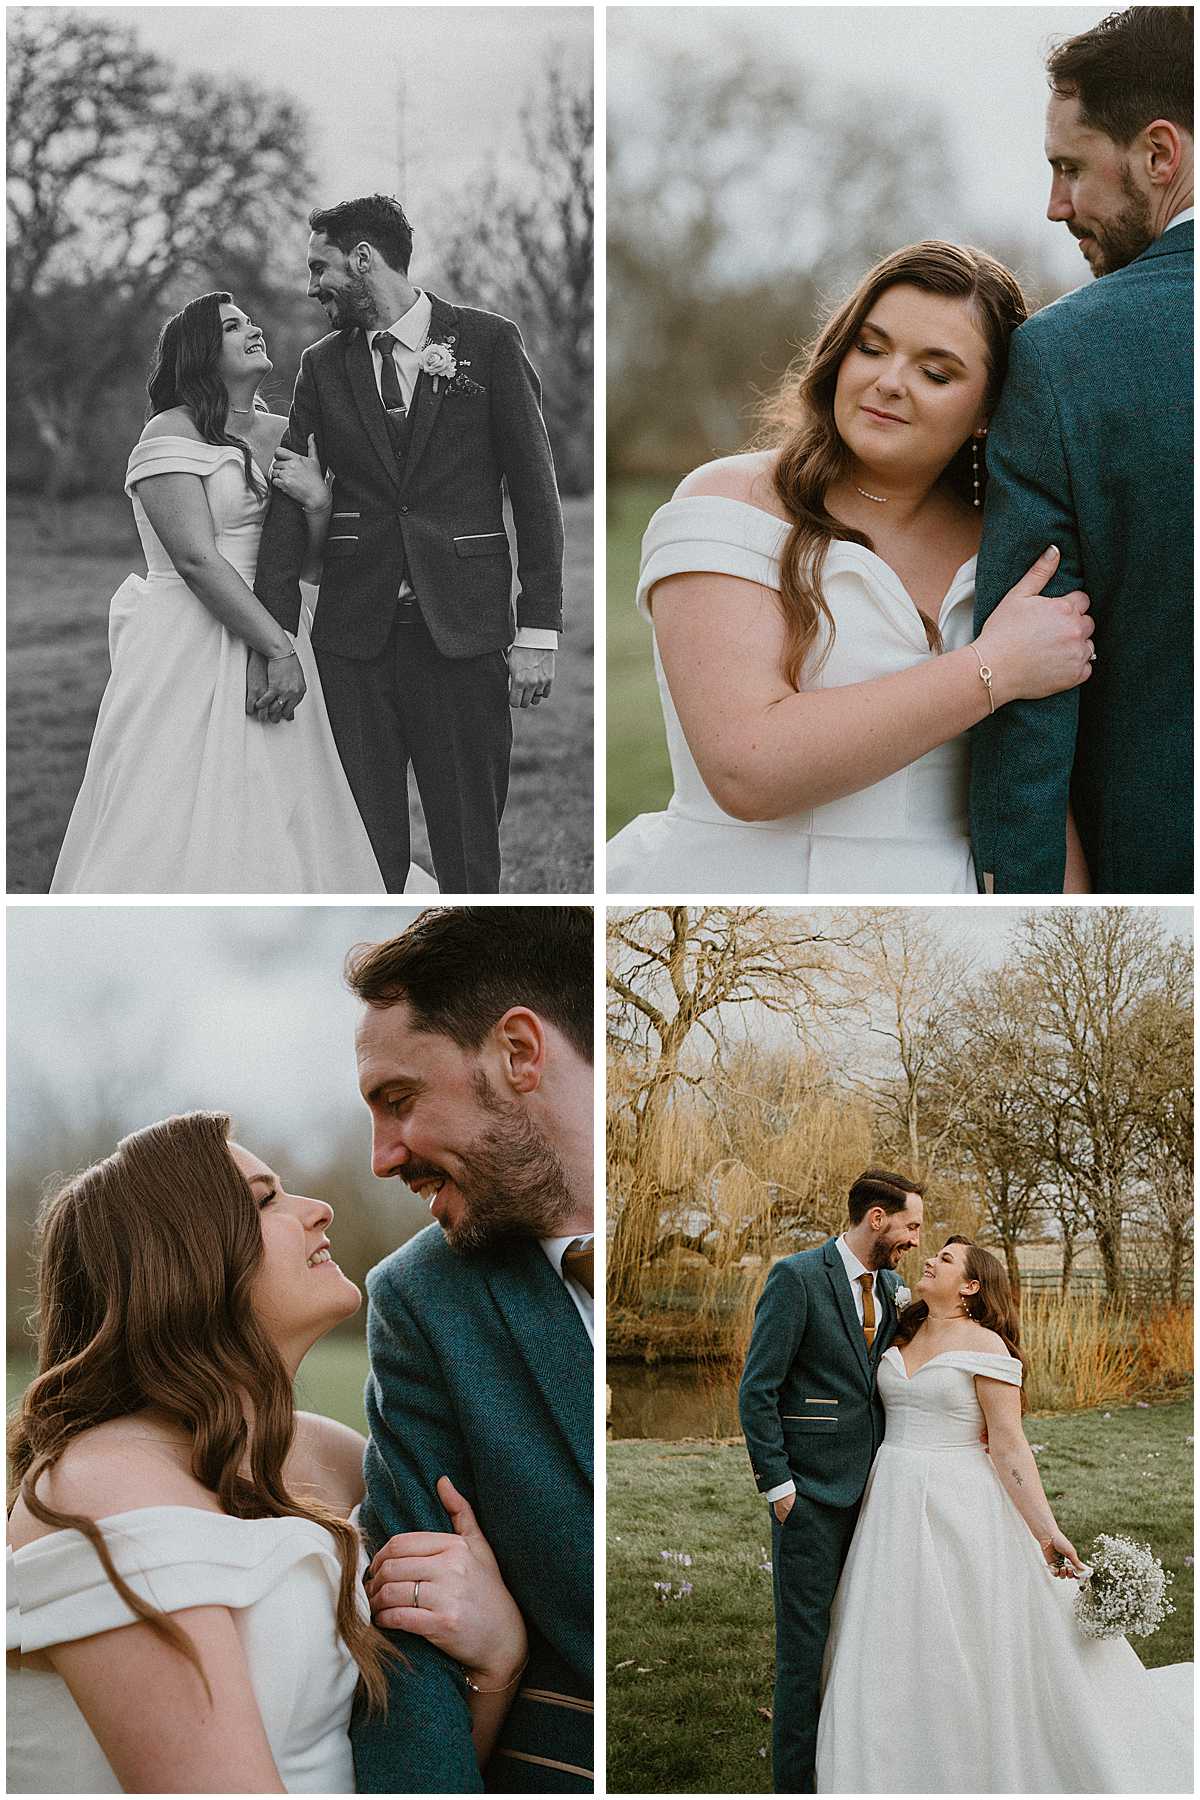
<point x="438" y="511"/>
<point x="481" y="1370"/>
<point x="808" y="1401"/>
<point x="1091" y="449"/>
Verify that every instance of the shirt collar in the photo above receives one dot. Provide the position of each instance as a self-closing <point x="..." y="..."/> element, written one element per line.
<point x="1181" y="218"/>
<point x="854" y="1268"/>
<point x="412" y="328"/>
<point x="554" y="1247"/>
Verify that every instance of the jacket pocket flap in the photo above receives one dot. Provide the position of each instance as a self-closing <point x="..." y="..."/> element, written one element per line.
<point x="336" y="546"/>
<point x="481" y="543"/>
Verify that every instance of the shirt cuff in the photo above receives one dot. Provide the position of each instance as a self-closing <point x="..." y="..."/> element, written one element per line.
<point x="535" y="637"/>
<point x="780" y="1492"/>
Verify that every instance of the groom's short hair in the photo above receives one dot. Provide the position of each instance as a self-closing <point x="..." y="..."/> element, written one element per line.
<point x="377" y="220"/>
<point x="880" y="1187"/>
<point x="460" y="968"/>
<point x="1131" y="68"/>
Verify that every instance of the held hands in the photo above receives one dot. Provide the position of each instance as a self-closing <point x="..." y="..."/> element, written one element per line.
<point x="1061" y="1556"/>
<point x="275" y="686"/>
<point x="447" y="1587"/>
<point x="783" y="1507"/>
<point x="1036" y="645"/>
<point x="530" y="676"/>
<point x="301" y="478"/>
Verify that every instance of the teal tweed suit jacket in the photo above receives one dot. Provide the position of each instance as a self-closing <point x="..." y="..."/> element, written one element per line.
<point x="481" y="1369"/>
<point x="808" y="1402"/>
<point x="1090" y="448"/>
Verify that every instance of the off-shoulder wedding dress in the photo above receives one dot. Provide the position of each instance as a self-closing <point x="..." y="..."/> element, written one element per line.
<point x="954" y="1664"/>
<point x="904" y="834"/>
<point x="280" y="1577"/>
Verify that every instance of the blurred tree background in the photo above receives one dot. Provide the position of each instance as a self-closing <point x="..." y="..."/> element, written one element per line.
<point x="748" y="190"/>
<point x="133" y="187"/>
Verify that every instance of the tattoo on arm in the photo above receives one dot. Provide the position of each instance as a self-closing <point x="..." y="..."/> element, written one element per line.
<point x="1017" y="1477"/>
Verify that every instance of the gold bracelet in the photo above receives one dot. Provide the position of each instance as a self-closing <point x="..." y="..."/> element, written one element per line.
<point x="476" y="1689"/>
<point x="985" y="675"/>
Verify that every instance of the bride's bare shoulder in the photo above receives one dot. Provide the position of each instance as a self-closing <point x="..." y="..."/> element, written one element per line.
<point x="989" y="1343"/>
<point x="749" y="477"/>
<point x="121" y="1465"/>
<point x="176" y="421"/>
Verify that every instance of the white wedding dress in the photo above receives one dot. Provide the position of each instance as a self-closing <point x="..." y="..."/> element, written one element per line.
<point x="280" y="1577"/>
<point x="183" y="793"/>
<point x="905" y="834"/>
<point x="954" y="1663"/>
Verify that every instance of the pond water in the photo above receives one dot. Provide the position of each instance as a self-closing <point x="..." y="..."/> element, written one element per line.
<point x="672" y="1400"/>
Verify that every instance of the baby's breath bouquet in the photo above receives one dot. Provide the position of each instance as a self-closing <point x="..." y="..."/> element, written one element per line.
<point x="1126" y="1593"/>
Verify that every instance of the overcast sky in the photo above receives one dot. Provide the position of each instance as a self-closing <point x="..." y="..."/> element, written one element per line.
<point x="442" y="85"/>
<point x="981" y="66"/>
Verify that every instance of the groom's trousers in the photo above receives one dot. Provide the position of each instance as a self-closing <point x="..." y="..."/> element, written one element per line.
<point x="808" y="1551"/>
<point x="449" y="718"/>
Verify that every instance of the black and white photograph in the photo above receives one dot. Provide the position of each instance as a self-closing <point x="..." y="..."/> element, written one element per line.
<point x="300" y="1365"/>
<point x="300" y="450"/>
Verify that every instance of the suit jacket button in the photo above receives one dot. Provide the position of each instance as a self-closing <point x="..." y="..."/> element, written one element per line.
<point x="404" y="509"/>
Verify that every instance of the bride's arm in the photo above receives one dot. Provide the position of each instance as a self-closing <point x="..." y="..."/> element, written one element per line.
<point x="765" y="751"/>
<point x="302" y="479"/>
<point x="1077" y="879"/>
<point x="147" y="1706"/>
<point x="1017" y="1471"/>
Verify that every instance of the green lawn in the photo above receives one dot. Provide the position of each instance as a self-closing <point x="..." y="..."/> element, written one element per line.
<point x="638" y="774"/>
<point x="330" y="1381"/>
<point x="688" y="1679"/>
<point x="63" y="568"/>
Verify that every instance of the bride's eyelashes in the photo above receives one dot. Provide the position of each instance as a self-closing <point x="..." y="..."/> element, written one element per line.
<point x="934" y="375"/>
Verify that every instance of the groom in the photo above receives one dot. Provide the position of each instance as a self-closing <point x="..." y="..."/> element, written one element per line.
<point x="424" y="412"/>
<point x="813" y="1422"/>
<point x="475" y="1058"/>
<point x="1090" y="448"/>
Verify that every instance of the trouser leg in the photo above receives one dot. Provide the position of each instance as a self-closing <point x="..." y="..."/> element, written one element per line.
<point x="363" y="703"/>
<point x="807" y="1557"/>
<point x="458" y="729"/>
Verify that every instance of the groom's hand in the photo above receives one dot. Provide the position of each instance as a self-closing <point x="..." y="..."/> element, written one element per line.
<point x="783" y="1507"/>
<point x="530" y="675"/>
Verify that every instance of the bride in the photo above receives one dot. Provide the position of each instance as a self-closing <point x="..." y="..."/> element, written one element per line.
<point x="185" y="1609"/>
<point x="191" y="785"/>
<point x="946" y="1609"/>
<point x="812" y="611"/>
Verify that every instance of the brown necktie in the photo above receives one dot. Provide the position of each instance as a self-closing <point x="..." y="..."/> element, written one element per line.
<point x="579" y="1263"/>
<point x="867" y="1283"/>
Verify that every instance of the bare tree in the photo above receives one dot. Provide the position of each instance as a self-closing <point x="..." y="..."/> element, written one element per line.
<point x="128" y="189"/>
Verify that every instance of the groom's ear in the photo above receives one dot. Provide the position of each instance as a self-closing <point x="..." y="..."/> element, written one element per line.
<point x="520" y="1039"/>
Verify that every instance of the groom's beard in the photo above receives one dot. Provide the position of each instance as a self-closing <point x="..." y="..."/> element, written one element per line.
<point x="513" y="1184"/>
<point x="353" y="304"/>
<point x="1121" y="240"/>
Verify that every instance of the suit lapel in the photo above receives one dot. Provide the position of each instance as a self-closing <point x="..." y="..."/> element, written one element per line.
<point x="361" y="376"/>
<point x="551" y="1338"/>
<point x="426" y="404"/>
<point x="835" y="1269"/>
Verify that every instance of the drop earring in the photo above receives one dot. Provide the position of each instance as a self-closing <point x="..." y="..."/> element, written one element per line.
<point x="975" y="474"/>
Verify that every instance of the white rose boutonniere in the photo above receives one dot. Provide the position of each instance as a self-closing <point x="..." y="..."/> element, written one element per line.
<point x="902" y="1297"/>
<point x="437" y="361"/>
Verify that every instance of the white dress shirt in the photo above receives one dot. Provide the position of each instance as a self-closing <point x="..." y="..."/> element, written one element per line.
<point x="585" y="1304"/>
<point x="854" y="1268"/>
<point x="410" y="332"/>
<point x="1181" y="218"/>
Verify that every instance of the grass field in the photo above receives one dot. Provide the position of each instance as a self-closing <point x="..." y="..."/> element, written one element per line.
<point x="63" y="566"/>
<point x="330" y="1381"/>
<point x="638" y="773"/>
<point x="687" y="1679"/>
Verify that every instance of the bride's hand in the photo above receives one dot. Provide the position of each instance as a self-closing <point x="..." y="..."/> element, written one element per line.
<point x="1035" y="645"/>
<point x="1061" y="1556"/>
<point x="448" y="1588"/>
<point x="301" y="478"/>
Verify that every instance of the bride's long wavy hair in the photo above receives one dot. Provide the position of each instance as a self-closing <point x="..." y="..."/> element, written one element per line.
<point x="798" y="422"/>
<point x="145" y="1270"/>
<point x="184" y="373"/>
<point x="994" y="1306"/>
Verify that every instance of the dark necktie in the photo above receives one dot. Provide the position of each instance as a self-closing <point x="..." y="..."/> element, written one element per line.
<point x="393" y="399"/>
<point x="867" y="1282"/>
<point x="579" y="1264"/>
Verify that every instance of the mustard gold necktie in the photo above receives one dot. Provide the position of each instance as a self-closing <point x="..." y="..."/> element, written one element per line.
<point x="868" y="1282"/>
<point x="579" y="1264"/>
